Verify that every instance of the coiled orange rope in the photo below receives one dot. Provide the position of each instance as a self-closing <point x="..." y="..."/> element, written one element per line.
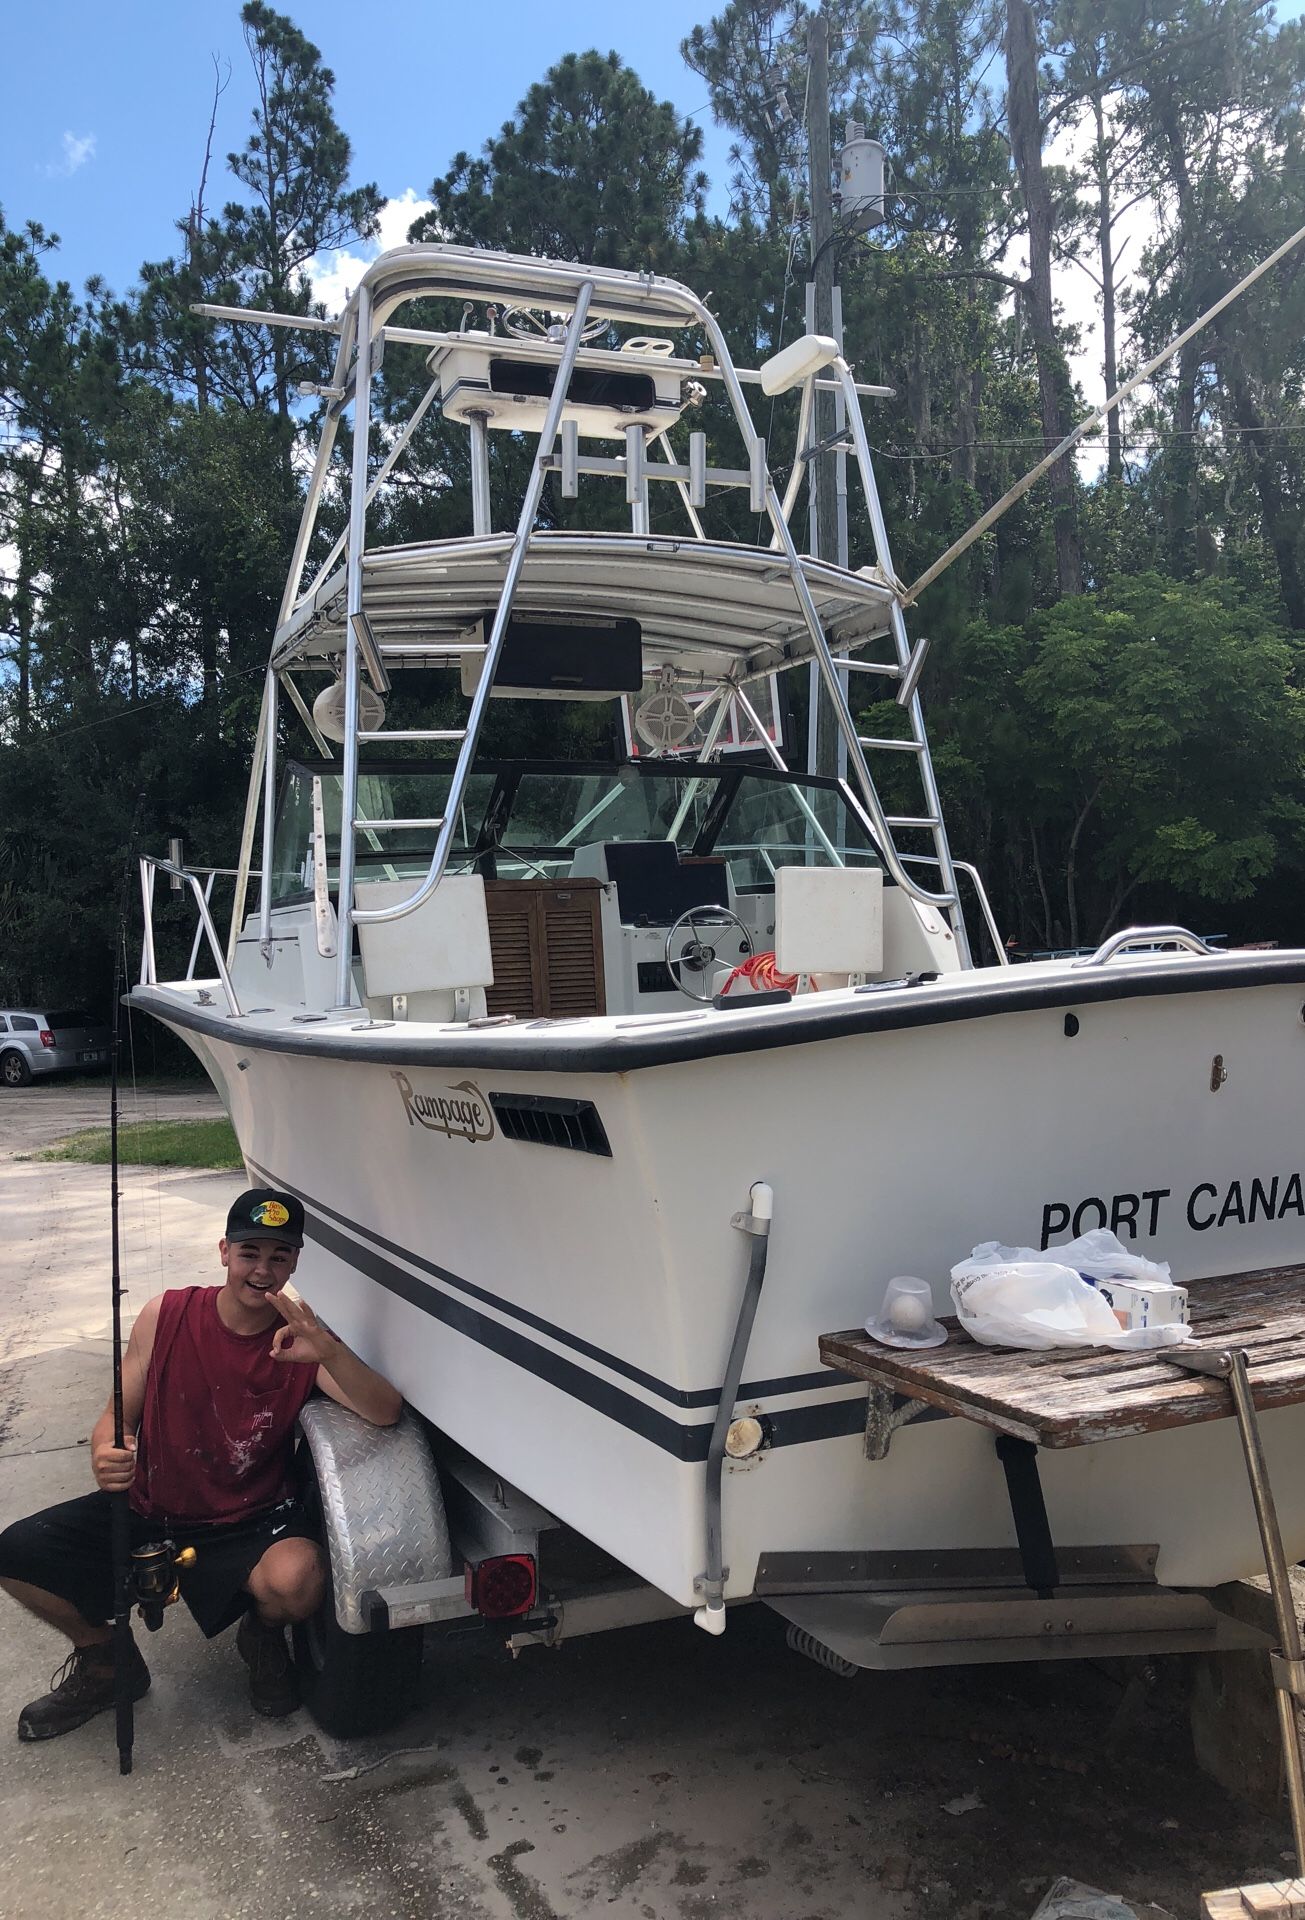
<point x="761" y="973"/>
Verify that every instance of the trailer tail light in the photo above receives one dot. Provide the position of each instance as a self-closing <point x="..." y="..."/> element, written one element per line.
<point x="47" y="1038"/>
<point x="502" y="1586"/>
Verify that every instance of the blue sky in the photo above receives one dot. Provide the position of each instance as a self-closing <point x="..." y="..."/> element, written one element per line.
<point x="106" y="105"/>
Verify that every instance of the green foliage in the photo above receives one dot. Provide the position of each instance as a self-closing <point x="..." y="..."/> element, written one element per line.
<point x="295" y="164"/>
<point x="1143" y="741"/>
<point x="1173" y="706"/>
<point x="148" y="496"/>
<point x="590" y="167"/>
<point x="751" y="56"/>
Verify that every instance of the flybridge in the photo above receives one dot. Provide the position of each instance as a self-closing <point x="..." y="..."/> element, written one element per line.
<point x="570" y="354"/>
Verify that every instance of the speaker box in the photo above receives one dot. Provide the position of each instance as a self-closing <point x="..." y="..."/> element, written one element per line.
<point x="578" y="658"/>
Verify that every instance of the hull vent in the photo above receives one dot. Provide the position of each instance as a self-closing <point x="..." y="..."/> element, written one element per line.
<point x="548" y="1122"/>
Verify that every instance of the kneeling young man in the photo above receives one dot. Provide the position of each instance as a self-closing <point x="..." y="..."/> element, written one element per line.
<point x="209" y="1410"/>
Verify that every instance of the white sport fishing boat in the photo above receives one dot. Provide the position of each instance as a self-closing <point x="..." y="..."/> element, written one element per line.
<point x="487" y="1017"/>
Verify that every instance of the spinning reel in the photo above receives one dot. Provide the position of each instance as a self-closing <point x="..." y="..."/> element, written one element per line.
<point x="154" y="1578"/>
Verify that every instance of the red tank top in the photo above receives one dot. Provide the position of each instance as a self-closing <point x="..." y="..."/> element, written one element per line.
<point x="216" y="1433"/>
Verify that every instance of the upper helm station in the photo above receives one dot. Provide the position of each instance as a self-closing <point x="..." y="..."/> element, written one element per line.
<point x="503" y="377"/>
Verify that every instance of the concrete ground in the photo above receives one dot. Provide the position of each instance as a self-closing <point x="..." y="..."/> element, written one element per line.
<point x="647" y="1775"/>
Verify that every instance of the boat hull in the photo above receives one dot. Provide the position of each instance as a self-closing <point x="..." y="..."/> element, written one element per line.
<point x="565" y="1314"/>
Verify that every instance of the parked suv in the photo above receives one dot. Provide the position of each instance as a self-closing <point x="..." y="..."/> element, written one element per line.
<point x="66" y="1041"/>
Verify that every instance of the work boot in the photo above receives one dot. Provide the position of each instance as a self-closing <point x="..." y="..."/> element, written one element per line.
<point x="273" y="1688"/>
<point x="81" y="1688"/>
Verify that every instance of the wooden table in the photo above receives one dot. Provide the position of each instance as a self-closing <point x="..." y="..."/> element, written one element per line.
<point x="1074" y="1396"/>
<point x="1249" y="1333"/>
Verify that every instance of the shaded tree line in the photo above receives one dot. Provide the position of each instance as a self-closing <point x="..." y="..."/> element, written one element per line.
<point x="1114" y="690"/>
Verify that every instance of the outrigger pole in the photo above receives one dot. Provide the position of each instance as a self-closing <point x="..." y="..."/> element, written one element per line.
<point x="1071" y="439"/>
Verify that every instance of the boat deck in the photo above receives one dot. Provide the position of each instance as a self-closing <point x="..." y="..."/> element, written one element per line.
<point x="1072" y="1397"/>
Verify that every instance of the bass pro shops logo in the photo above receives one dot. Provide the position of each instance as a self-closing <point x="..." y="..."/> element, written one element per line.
<point x="461" y="1112"/>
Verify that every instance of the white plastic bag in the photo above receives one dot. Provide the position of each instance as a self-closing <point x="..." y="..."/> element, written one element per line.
<point x="1014" y="1297"/>
<point x="1028" y="1303"/>
<point x="1098" y="1255"/>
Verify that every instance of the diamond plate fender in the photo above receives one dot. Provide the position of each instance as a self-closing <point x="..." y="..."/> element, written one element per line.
<point x="382" y="1509"/>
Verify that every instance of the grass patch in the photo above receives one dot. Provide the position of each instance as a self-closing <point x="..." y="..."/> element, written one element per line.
<point x="155" y="1143"/>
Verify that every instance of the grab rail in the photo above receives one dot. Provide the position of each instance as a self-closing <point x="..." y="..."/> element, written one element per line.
<point x="968" y="868"/>
<point x="150" y="868"/>
<point x="1144" y="936"/>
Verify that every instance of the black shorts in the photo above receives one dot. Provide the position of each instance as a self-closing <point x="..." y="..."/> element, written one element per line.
<point x="68" y="1550"/>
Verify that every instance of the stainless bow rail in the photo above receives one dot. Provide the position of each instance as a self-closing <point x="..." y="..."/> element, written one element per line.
<point x="150" y="868"/>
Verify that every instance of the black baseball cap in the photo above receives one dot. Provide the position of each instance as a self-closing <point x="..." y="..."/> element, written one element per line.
<point x="265" y="1213"/>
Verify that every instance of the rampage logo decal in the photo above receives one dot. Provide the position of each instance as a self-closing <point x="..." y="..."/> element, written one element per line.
<point x="1235" y="1203"/>
<point x="461" y="1110"/>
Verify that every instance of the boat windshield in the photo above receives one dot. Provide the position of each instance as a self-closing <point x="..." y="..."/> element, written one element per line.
<point x="519" y="821"/>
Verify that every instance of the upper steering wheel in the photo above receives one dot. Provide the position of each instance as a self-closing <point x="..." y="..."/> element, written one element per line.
<point x="697" y="957"/>
<point x="541" y="323"/>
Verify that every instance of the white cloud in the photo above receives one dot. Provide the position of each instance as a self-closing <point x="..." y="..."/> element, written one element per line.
<point x="336" y="274"/>
<point x="78" y="148"/>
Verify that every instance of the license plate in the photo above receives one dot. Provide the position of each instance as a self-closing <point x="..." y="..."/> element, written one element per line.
<point x="90" y="1058"/>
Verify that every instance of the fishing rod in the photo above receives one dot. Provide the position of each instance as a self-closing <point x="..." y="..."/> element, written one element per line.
<point x="123" y="1704"/>
<point x="144" y="1576"/>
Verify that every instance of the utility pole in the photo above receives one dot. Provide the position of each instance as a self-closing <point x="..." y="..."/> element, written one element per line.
<point x="820" y="169"/>
<point x="822" y="752"/>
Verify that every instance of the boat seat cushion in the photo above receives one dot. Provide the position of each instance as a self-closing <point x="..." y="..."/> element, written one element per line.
<point x="443" y="943"/>
<point x="829" y="919"/>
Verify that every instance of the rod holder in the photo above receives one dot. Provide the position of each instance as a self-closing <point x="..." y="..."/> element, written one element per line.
<point x="697" y="469"/>
<point x="569" y="435"/>
<point x="757" y="476"/>
<point x="636" y="484"/>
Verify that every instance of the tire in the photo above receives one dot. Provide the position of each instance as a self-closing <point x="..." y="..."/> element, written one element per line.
<point x="14" y="1070"/>
<point x="353" y="1683"/>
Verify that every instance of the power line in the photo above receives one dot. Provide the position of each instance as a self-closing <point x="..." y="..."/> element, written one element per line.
<point x="139" y="706"/>
<point x="1144" y="436"/>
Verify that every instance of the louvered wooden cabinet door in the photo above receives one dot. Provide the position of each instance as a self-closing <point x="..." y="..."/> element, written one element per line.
<point x="546" y="939"/>
<point x="573" y="950"/>
<point x="514" y="945"/>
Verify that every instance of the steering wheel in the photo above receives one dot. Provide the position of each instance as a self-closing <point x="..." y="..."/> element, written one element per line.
<point x="526" y="323"/>
<point x="696" y="957"/>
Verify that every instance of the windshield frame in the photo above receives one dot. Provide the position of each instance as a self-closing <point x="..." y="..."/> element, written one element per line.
<point x="495" y="819"/>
